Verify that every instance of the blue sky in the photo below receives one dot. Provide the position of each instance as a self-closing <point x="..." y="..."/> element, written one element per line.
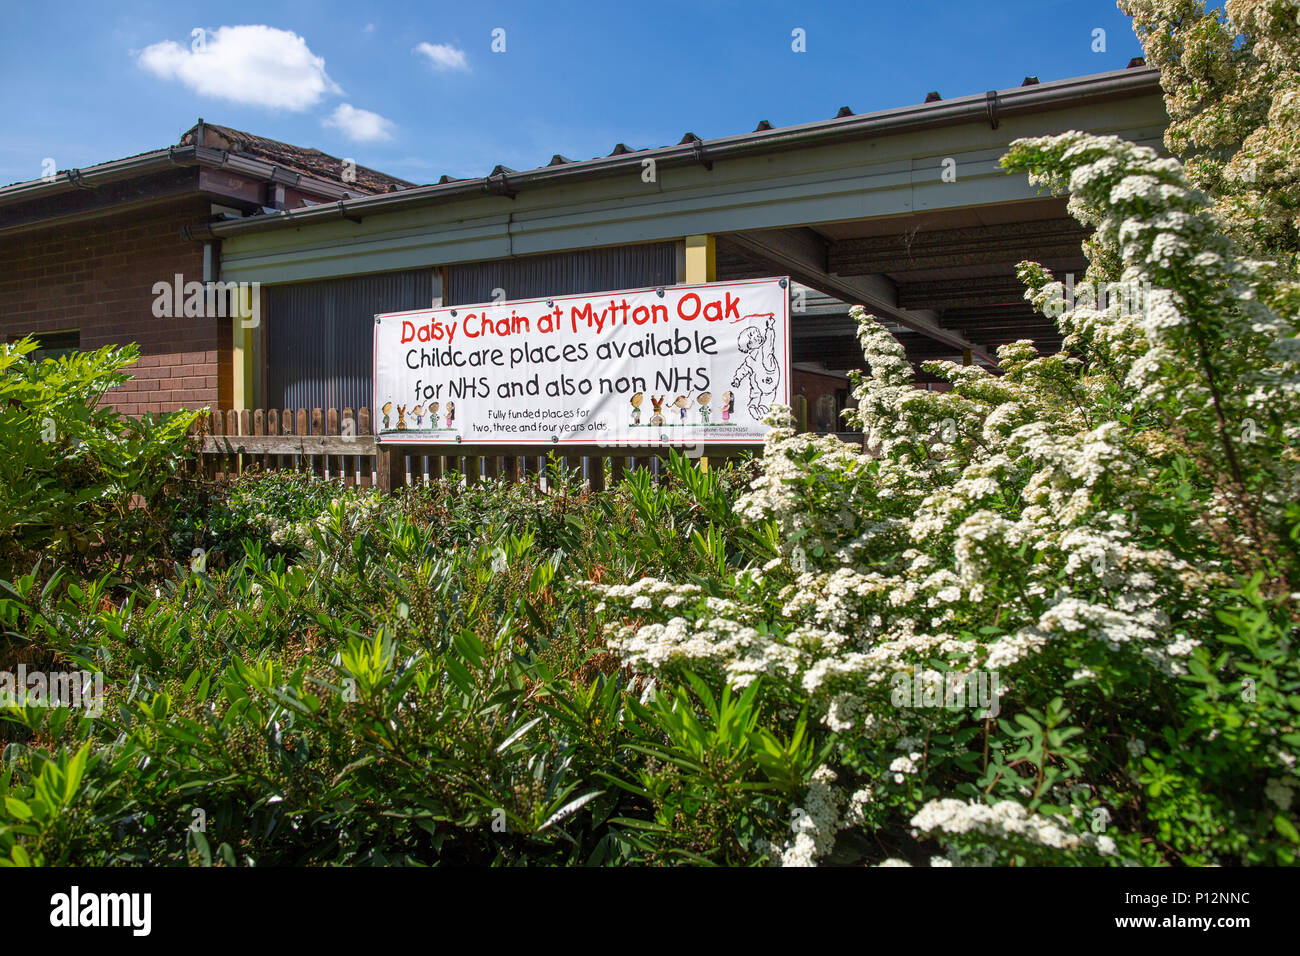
<point x="417" y="91"/>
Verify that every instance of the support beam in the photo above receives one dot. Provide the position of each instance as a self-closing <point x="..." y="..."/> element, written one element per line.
<point x="994" y="244"/>
<point x="245" y="325"/>
<point x="701" y="259"/>
<point x="946" y="294"/>
<point x="797" y="253"/>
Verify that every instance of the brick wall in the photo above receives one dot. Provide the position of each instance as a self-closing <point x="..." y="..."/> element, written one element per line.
<point x="98" y="277"/>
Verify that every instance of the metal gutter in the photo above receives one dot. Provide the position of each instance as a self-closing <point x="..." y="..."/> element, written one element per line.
<point x="989" y="107"/>
<point x="206" y="156"/>
<point x="100" y="175"/>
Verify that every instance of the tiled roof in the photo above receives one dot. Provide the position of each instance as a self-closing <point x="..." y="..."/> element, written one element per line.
<point x="309" y="162"/>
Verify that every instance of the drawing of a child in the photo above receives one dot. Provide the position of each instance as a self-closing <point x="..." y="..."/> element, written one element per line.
<point x="704" y="399"/>
<point x="760" y="367"/>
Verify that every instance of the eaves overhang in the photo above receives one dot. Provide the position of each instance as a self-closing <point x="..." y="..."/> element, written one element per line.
<point x="152" y="163"/>
<point x="989" y="107"/>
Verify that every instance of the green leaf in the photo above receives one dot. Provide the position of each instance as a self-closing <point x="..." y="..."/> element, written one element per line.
<point x="505" y="744"/>
<point x="569" y="808"/>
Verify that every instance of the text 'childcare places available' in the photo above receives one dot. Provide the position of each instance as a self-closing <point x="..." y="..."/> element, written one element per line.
<point x="679" y="365"/>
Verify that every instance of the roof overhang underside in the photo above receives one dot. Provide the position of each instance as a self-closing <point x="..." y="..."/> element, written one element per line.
<point x="869" y="218"/>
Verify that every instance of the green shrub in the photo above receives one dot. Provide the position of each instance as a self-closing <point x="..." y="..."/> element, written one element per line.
<point x="81" y="485"/>
<point x="420" y="682"/>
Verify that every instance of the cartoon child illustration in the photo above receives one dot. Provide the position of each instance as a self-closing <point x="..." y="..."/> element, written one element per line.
<point x="637" y="401"/>
<point x="658" y="417"/>
<point x="704" y="399"/>
<point x="728" y="406"/>
<point x="451" y="413"/>
<point x="387" y="410"/>
<point x="401" y="417"/>
<point x="418" y="412"/>
<point x="433" y="414"/>
<point x="680" y="403"/>
<point x="760" y="367"/>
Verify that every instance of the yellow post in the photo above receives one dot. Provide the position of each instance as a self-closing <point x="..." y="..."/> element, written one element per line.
<point x="245" y="320"/>
<point x="701" y="259"/>
<point x="701" y="266"/>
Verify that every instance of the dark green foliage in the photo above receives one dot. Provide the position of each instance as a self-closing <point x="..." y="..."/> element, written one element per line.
<point x="420" y="683"/>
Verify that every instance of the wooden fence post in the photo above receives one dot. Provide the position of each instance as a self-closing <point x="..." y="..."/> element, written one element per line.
<point x="301" y="429"/>
<point x="273" y="430"/>
<point x="212" y="423"/>
<point x="331" y="428"/>
<point x="363" y="428"/>
<point x="318" y="428"/>
<point x="348" y="429"/>
<point x="392" y="468"/>
<point x="259" y="428"/>
<point x="232" y="428"/>
<point x="245" y="428"/>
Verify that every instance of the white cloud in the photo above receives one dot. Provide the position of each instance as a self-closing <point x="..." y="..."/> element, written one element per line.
<point x="361" y="126"/>
<point x="256" y="65"/>
<point x="443" y="56"/>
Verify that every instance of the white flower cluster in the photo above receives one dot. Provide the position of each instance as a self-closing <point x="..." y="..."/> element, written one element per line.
<point x="997" y="522"/>
<point x="814" y="824"/>
<point x="1005" y="820"/>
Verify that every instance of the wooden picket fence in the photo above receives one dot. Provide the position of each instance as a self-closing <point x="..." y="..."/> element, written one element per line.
<point x="342" y="447"/>
<point x="322" y="441"/>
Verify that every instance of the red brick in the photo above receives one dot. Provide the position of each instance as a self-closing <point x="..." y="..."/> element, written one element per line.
<point x="98" y="277"/>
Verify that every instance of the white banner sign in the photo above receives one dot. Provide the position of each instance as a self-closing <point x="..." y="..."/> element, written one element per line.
<point x="680" y="365"/>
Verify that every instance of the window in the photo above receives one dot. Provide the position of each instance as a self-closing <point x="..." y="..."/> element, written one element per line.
<point x="53" y="344"/>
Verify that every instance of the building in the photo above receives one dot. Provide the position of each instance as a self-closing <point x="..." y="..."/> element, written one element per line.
<point x="84" y="249"/>
<point x="905" y="210"/>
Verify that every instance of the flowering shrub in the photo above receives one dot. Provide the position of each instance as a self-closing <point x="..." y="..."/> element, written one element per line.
<point x="1109" y="533"/>
<point x="1045" y="618"/>
<point x="1231" y="78"/>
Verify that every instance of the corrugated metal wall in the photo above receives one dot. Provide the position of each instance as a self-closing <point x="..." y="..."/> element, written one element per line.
<point x="320" y="336"/>
<point x="564" y="273"/>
